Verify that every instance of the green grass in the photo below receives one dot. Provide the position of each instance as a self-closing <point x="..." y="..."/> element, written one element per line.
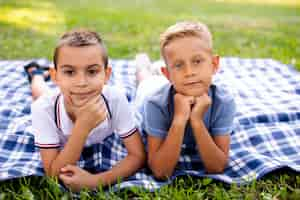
<point x="248" y="29"/>
<point x="285" y="186"/>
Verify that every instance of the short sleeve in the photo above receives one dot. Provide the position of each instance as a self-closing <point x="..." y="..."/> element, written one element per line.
<point x="223" y="119"/>
<point x="43" y="126"/>
<point x="154" y="122"/>
<point x="123" y="121"/>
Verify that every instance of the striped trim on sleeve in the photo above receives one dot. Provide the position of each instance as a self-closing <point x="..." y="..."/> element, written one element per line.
<point x="47" y="146"/>
<point x="129" y="133"/>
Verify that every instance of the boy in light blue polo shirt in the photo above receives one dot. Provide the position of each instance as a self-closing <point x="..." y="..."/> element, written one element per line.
<point x="188" y="111"/>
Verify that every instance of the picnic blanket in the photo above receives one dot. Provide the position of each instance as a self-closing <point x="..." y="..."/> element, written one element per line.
<point x="266" y="136"/>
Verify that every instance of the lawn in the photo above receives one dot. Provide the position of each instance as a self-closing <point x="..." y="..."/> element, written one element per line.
<point x="247" y="29"/>
<point x="250" y="29"/>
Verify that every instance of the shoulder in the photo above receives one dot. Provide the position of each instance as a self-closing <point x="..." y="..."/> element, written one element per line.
<point x="116" y="101"/>
<point x="159" y="97"/>
<point x="113" y="93"/>
<point x="222" y="94"/>
<point x="223" y="104"/>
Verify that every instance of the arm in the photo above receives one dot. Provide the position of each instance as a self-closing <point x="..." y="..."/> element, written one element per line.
<point x="213" y="151"/>
<point x="53" y="159"/>
<point x="134" y="160"/>
<point x="160" y="150"/>
<point x="130" y="164"/>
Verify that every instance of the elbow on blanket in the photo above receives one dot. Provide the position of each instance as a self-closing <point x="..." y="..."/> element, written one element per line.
<point x="51" y="171"/>
<point x="159" y="172"/>
<point x="216" y="169"/>
<point x="161" y="175"/>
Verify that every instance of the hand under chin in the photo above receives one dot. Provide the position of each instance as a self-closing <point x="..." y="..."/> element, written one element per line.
<point x="197" y="93"/>
<point x="79" y="102"/>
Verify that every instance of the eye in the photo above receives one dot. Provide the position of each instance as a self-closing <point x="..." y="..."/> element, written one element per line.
<point x="93" y="72"/>
<point x="178" y="65"/>
<point x="68" y="72"/>
<point x="198" y="61"/>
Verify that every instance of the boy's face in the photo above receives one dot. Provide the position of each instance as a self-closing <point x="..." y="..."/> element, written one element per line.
<point x="190" y="65"/>
<point x="80" y="72"/>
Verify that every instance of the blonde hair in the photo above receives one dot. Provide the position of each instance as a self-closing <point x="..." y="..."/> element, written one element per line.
<point x="79" y="38"/>
<point x="184" y="29"/>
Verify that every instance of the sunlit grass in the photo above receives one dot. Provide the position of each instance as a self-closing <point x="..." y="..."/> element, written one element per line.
<point x="46" y="21"/>
<point x="246" y="29"/>
<point x="270" y="2"/>
<point x="132" y="26"/>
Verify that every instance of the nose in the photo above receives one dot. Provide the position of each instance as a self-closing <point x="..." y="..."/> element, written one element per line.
<point x="189" y="70"/>
<point x="81" y="80"/>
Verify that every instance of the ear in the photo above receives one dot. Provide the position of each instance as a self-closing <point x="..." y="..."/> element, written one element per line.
<point x="52" y="72"/>
<point x="216" y="63"/>
<point x="107" y="74"/>
<point x="165" y="72"/>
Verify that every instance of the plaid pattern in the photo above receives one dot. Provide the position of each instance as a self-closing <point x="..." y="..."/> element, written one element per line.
<point x="266" y="137"/>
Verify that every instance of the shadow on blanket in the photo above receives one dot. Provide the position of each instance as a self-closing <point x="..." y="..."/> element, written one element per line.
<point x="266" y="136"/>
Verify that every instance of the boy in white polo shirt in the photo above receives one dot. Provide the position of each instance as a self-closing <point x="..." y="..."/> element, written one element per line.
<point x="84" y="112"/>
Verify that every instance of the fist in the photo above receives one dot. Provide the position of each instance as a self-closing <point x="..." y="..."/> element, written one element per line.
<point x="182" y="106"/>
<point x="91" y="113"/>
<point x="201" y="106"/>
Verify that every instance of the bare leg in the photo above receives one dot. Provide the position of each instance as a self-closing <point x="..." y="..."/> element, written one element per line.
<point x="38" y="86"/>
<point x="37" y="80"/>
<point x="145" y="69"/>
<point x="143" y="64"/>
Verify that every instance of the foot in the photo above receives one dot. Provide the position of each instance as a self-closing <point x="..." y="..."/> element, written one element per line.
<point x="33" y="69"/>
<point x="156" y="67"/>
<point x="143" y="64"/>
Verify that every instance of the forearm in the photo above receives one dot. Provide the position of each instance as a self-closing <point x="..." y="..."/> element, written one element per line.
<point x="169" y="151"/>
<point x="214" y="159"/>
<point x="71" y="152"/>
<point x="125" y="168"/>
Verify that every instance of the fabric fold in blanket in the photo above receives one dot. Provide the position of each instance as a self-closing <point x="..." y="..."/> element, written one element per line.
<point x="266" y="136"/>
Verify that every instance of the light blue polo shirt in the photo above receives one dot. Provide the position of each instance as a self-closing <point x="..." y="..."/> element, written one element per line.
<point x="157" y="110"/>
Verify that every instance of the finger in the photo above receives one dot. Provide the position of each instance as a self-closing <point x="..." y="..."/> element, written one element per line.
<point x="68" y="99"/>
<point x="68" y="173"/>
<point x="96" y="97"/>
<point x="101" y="105"/>
<point x="69" y="168"/>
<point x="199" y="99"/>
<point x="105" y="112"/>
<point x="92" y="100"/>
<point x="191" y="100"/>
<point x="66" y="179"/>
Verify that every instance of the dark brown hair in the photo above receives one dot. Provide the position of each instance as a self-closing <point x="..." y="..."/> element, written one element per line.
<point x="79" y="38"/>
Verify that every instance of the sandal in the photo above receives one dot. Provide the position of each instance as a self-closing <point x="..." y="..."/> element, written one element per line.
<point x="38" y="70"/>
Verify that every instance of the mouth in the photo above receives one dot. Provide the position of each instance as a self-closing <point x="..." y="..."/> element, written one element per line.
<point x="192" y="83"/>
<point x="82" y="94"/>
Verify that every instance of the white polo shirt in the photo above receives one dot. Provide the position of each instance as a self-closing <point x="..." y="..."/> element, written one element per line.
<point x="52" y="126"/>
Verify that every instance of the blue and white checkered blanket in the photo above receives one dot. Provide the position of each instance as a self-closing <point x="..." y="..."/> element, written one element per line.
<point x="266" y="137"/>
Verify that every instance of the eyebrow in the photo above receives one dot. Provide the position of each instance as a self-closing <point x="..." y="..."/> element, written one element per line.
<point x="66" y="66"/>
<point x="94" y="65"/>
<point x="89" y="66"/>
<point x="198" y="56"/>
